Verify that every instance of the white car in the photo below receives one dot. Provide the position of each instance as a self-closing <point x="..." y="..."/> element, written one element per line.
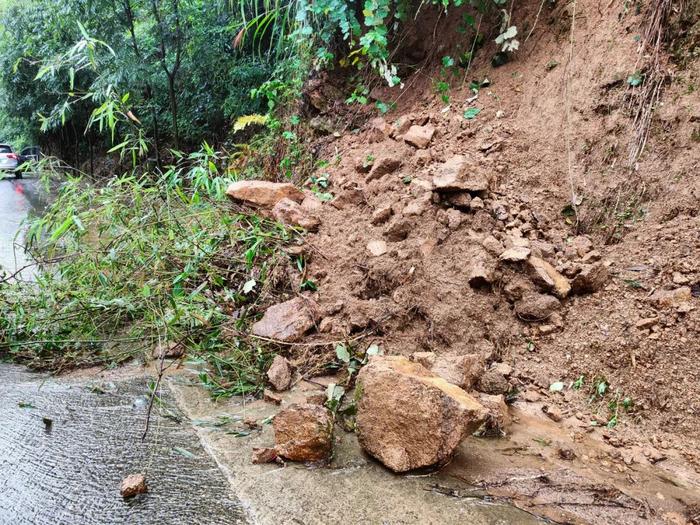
<point x="9" y="160"/>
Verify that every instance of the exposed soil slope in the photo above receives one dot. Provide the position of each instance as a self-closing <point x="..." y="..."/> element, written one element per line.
<point x="397" y="259"/>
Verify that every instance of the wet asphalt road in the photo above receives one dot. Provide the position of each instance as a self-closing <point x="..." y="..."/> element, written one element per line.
<point x="68" y="472"/>
<point x="18" y="198"/>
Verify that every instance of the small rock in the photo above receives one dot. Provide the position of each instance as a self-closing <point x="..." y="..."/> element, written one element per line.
<point x="263" y="193"/>
<point x="402" y="124"/>
<point x="377" y="248"/>
<point x="679" y="278"/>
<point x="251" y="423"/>
<point x="383" y="166"/>
<point x="410" y="418"/>
<point x="498" y="420"/>
<point x="169" y="350"/>
<point x="536" y="306"/>
<point x="312" y="203"/>
<point x="398" y="229"/>
<point x="566" y="453"/>
<point x="419" y="136"/>
<point x="547" y="277"/>
<point x="671" y="298"/>
<point x="492" y="245"/>
<point x="316" y="398"/>
<point x="271" y="397"/>
<point x="417" y="206"/>
<point x="381" y="215"/>
<point x="291" y="213"/>
<point x="454" y="218"/>
<point x="477" y="204"/>
<point x="303" y="432"/>
<point x="531" y="396"/>
<point x="590" y="279"/>
<point x="480" y="274"/>
<point x="581" y="245"/>
<point x="132" y="485"/>
<point x="542" y="249"/>
<point x="459" y="174"/>
<point x="653" y="454"/>
<point x="552" y="413"/>
<point x="288" y="321"/>
<point x="645" y="324"/>
<point x="263" y="455"/>
<point x="592" y="257"/>
<point x="461" y="200"/>
<point x="280" y="373"/>
<point x="379" y="130"/>
<point x="350" y="197"/>
<point x="502" y="368"/>
<point x="515" y="254"/>
<point x="493" y="382"/>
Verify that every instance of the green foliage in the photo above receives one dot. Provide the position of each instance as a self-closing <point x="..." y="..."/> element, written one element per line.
<point x="145" y="259"/>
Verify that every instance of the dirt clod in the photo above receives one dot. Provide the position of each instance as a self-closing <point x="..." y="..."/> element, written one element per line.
<point x="280" y="373"/>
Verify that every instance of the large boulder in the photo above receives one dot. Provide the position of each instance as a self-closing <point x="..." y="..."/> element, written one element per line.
<point x="460" y="174"/>
<point x="292" y="213"/>
<point x="304" y="432"/>
<point x="262" y="193"/>
<point x="410" y="418"/>
<point x="288" y="321"/>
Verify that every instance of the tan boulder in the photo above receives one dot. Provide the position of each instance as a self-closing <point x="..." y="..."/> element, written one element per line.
<point x="304" y="432"/>
<point x="263" y="193"/>
<point x="288" y="321"/>
<point x="419" y="136"/>
<point x="460" y="174"/>
<point x="547" y="277"/>
<point x="292" y="213"/>
<point x="410" y="418"/>
<point x="280" y="373"/>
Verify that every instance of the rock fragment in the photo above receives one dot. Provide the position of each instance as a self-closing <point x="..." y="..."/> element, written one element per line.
<point x="288" y="321"/>
<point x="132" y="485"/>
<point x="303" y="432"/>
<point x="498" y="420"/>
<point x="383" y="166"/>
<point x="536" y="306"/>
<point x="262" y="193"/>
<point x="460" y="174"/>
<point x="271" y="397"/>
<point x="280" y="373"/>
<point x="410" y="418"/>
<point x="547" y="277"/>
<point x="419" y="136"/>
<point x="381" y="215"/>
<point x="262" y="455"/>
<point x="590" y="279"/>
<point x="671" y="298"/>
<point x="291" y="213"/>
<point x="377" y="248"/>
<point x="515" y="254"/>
<point x="552" y="413"/>
<point x="481" y="275"/>
<point x="493" y="382"/>
<point x="398" y="229"/>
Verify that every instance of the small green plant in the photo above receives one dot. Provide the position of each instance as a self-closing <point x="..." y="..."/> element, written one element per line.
<point x="358" y="96"/>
